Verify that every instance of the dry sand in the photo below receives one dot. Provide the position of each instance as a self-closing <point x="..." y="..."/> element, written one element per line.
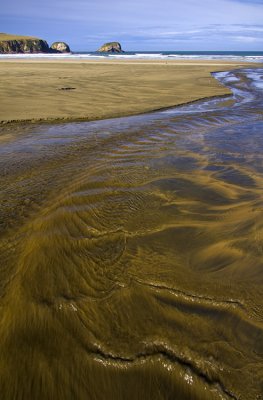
<point x="34" y="90"/>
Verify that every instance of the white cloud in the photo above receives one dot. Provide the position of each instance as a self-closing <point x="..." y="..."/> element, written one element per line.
<point x="247" y="39"/>
<point x="211" y="22"/>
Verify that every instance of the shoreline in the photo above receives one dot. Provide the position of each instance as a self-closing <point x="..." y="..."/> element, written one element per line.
<point x="84" y="119"/>
<point x="59" y="91"/>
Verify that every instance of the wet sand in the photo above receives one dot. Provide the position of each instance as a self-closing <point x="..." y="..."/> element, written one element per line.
<point x="131" y="254"/>
<point x="33" y="90"/>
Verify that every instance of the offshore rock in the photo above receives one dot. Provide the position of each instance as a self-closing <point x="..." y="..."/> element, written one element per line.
<point x="60" y="47"/>
<point x="22" y="44"/>
<point x="111" y="47"/>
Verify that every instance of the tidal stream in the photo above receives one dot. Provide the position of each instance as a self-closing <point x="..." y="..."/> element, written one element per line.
<point x="131" y="254"/>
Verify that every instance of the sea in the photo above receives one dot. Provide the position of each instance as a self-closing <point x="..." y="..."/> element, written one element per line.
<point x="249" y="56"/>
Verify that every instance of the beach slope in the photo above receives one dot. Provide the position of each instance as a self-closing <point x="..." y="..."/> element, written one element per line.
<point x="45" y="90"/>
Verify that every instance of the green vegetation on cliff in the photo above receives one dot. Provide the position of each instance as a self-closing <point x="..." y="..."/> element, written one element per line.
<point x="7" y="36"/>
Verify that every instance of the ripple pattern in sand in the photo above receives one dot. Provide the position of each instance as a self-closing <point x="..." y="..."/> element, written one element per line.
<point x="131" y="255"/>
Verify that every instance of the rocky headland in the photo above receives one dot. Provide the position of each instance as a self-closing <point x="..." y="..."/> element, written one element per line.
<point x="111" y="47"/>
<point x="28" y="44"/>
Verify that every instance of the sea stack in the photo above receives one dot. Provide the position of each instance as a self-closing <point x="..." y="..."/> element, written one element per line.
<point x="60" y="47"/>
<point x="111" y="47"/>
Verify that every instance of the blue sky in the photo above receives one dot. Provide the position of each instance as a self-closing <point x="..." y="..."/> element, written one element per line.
<point x="140" y="24"/>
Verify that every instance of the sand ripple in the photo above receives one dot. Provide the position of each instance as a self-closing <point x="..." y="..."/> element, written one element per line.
<point x="131" y="255"/>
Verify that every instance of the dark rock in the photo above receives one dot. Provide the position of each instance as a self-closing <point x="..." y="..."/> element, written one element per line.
<point x="67" y="88"/>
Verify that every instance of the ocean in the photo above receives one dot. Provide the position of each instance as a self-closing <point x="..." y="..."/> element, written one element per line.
<point x="249" y="56"/>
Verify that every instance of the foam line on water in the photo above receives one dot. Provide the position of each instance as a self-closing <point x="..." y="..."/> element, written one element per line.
<point x="136" y="56"/>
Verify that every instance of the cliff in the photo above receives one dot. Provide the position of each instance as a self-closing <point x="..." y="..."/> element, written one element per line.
<point x="111" y="47"/>
<point x="22" y="44"/>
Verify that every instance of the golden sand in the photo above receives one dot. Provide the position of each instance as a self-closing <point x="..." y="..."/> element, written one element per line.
<point x="130" y="251"/>
<point x="72" y="90"/>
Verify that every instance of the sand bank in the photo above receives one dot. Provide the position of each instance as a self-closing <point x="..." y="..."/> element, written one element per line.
<point x="46" y="90"/>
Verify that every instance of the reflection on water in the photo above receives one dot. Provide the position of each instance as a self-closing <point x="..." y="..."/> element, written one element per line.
<point x="131" y="254"/>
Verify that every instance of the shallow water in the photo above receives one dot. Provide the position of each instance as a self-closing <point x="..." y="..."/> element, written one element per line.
<point x="132" y="254"/>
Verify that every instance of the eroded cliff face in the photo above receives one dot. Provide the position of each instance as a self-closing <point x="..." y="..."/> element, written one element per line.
<point x="16" y="44"/>
<point x="111" y="47"/>
<point x="60" y="47"/>
<point x="27" y="44"/>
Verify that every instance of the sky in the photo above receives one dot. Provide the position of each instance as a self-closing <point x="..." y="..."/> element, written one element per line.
<point x="140" y="25"/>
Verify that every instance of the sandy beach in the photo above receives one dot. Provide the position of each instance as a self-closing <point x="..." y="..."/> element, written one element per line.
<point x="131" y="207"/>
<point x="131" y="249"/>
<point x="50" y="90"/>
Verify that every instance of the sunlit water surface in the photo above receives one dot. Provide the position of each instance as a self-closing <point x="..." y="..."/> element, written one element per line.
<point x="132" y="254"/>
